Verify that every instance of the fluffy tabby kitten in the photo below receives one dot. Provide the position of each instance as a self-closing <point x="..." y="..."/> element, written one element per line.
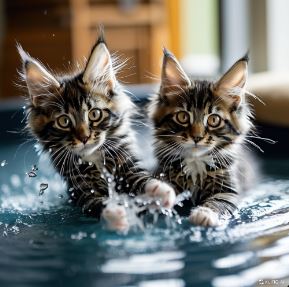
<point x="199" y="128"/>
<point x="83" y="121"/>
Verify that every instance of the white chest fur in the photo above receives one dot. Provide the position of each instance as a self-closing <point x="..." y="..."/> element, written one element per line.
<point x="96" y="158"/>
<point x="196" y="166"/>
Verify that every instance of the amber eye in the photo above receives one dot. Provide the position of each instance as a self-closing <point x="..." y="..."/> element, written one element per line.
<point x="182" y="117"/>
<point x="95" y="115"/>
<point x="214" y="120"/>
<point x="63" y="121"/>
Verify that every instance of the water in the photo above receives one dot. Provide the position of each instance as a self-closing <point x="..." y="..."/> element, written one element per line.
<point x="46" y="242"/>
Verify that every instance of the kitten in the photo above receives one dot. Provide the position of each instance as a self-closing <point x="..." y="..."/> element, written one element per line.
<point x="83" y="121"/>
<point x="199" y="129"/>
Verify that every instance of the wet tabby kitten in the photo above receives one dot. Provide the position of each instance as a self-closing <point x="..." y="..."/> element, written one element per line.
<point x="199" y="128"/>
<point x="83" y="121"/>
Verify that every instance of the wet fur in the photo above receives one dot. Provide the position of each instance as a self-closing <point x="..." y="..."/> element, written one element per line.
<point x="70" y="95"/>
<point x="215" y="178"/>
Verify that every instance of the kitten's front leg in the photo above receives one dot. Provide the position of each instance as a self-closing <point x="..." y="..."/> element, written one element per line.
<point x="97" y="205"/>
<point x="161" y="190"/>
<point x="214" y="208"/>
<point x="139" y="181"/>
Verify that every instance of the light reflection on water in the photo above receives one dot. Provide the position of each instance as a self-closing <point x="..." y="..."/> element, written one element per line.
<point x="45" y="241"/>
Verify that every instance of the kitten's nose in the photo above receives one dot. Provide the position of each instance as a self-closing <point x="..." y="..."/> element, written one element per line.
<point x="82" y="133"/>
<point x="84" y="139"/>
<point x="197" y="132"/>
<point x="197" y="139"/>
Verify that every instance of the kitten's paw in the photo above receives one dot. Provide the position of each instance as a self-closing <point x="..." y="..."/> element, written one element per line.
<point x="116" y="217"/>
<point x="161" y="190"/>
<point x="204" y="216"/>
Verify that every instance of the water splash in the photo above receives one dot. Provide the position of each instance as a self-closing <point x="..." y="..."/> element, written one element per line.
<point x="141" y="207"/>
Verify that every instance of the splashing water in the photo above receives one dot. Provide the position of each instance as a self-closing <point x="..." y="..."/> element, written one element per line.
<point x="164" y="252"/>
<point x="136" y="205"/>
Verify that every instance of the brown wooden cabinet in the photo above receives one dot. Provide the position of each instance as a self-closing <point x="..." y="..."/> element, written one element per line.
<point x="61" y="32"/>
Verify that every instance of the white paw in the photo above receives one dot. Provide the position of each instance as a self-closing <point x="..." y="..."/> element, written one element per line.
<point x="204" y="216"/>
<point x="116" y="217"/>
<point x="162" y="191"/>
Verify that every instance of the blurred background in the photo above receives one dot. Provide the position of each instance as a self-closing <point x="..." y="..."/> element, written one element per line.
<point x="208" y="36"/>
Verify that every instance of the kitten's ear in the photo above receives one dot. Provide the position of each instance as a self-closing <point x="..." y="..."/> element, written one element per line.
<point x="173" y="75"/>
<point x="232" y="84"/>
<point x="38" y="79"/>
<point x="99" y="65"/>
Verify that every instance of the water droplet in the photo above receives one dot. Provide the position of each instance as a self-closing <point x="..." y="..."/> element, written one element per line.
<point x="34" y="167"/>
<point x="71" y="189"/>
<point x="53" y="35"/>
<point x="92" y="191"/>
<point x="31" y="174"/>
<point x="72" y="194"/>
<point x="50" y="150"/>
<point x="79" y="161"/>
<point x="3" y="163"/>
<point x="90" y="163"/>
<point x="43" y="187"/>
<point x="60" y="196"/>
<point x="24" y="107"/>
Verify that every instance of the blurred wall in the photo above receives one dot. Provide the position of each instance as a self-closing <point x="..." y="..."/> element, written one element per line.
<point x="61" y="34"/>
<point x="200" y="36"/>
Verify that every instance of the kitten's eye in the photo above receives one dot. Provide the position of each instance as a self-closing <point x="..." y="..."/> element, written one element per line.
<point x="182" y="117"/>
<point x="63" y="121"/>
<point x="95" y="115"/>
<point x="214" y="120"/>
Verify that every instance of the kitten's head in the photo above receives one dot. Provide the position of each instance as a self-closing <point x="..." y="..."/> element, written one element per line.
<point x="199" y="117"/>
<point x="78" y="112"/>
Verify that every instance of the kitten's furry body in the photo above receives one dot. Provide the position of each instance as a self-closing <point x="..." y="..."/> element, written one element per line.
<point x="194" y="155"/>
<point x="84" y="122"/>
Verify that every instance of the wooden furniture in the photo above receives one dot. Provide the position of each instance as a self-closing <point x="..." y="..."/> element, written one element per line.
<point x="62" y="32"/>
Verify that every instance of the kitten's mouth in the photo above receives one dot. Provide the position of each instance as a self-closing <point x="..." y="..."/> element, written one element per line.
<point x="199" y="150"/>
<point x="87" y="149"/>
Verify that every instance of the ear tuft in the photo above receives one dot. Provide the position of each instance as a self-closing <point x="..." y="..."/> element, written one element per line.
<point x="25" y="57"/>
<point x="173" y="75"/>
<point x="101" y="38"/>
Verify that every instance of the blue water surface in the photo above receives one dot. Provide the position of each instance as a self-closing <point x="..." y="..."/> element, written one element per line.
<point x="44" y="241"/>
